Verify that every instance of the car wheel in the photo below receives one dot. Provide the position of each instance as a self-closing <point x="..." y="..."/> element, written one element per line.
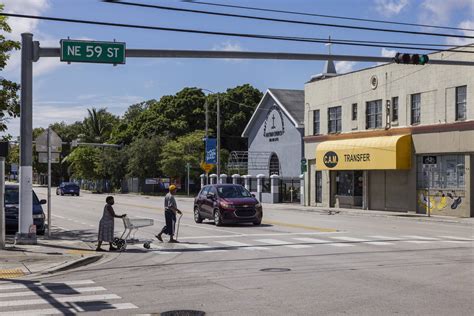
<point x="197" y="216"/>
<point x="257" y="223"/>
<point x="217" y="218"/>
<point x="57" y="193"/>
<point x="62" y="194"/>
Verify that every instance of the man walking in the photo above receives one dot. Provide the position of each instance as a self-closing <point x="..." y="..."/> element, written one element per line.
<point x="170" y="215"/>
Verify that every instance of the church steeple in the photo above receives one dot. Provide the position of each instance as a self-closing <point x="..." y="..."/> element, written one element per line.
<point x="329" y="69"/>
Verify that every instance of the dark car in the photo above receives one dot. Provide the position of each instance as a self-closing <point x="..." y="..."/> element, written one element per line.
<point x="68" y="188"/>
<point x="227" y="204"/>
<point x="11" y="210"/>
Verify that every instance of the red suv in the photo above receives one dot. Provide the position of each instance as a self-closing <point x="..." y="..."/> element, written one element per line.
<point x="226" y="204"/>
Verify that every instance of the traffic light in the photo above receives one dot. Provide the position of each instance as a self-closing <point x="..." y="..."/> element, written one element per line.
<point x="413" y="59"/>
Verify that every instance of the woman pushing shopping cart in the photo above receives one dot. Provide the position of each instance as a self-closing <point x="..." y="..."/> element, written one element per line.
<point x="170" y="216"/>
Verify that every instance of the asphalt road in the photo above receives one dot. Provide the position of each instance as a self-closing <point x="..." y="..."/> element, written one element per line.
<point x="296" y="263"/>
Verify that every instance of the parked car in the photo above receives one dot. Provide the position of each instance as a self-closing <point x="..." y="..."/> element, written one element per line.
<point x="68" y="188"/>
<point x="12" y="206"/>
<point x="226" y="204"/>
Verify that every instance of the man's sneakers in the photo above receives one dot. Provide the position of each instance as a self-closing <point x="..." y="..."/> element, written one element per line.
<point x="159" y="237"/>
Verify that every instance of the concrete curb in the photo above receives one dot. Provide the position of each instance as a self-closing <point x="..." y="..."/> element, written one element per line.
<point x="81" y="262"/>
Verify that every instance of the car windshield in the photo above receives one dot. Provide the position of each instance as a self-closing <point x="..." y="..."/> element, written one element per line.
<point x="12" y="196"/>
<point x="233" y="192"/>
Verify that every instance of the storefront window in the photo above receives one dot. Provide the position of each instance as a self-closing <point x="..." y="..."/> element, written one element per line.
<point x="440" y="172"/>
<point x="349" y="183"/>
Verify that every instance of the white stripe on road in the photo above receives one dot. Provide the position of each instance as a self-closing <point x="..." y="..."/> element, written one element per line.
<point x="277" y="242"/>
<point x="349" y="239"/>
<point x="365" y="241"/>
<point x="45" y="290"/>
<point x="419" y="237"/>
<point x="312" y="240"/>
<point x="457" y="238"/>
<point x="55" y="311"/>
<point x="10" y="286"/>
<point x="242" y="245"/>
<point x="455" y="241"/>
<point x="386" y="238"/>
<point x="258" y="235"/>
<point x="67" y="299"/>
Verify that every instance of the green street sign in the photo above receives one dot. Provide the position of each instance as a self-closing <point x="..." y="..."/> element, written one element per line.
<point x="92" y="52"/>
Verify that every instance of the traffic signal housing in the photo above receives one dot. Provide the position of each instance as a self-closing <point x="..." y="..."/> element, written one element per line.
<point x="411" y="59"/>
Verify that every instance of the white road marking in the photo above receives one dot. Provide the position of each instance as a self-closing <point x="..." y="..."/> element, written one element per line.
<point x="67" y="299"/>
<point x="242" y="245"/>
<point x="277" y="242"/>
<point x="58" y="216"/>
<point x="56" y="311"/>
<point x="258" y="235"/>
<point x="386" y="238"/>
<point x="349" y="239"/>
<point x="45" y="290"/>
<point x="298" y="246"/>
<point x="312" y="240"/>
<point x="455" y="241"/>
<point x="457" y="238"/>
<point x="419" y="237"/>
<point x="9" y="286"/>
<point x="417" y="241"/>
<point x="379" y="243"/>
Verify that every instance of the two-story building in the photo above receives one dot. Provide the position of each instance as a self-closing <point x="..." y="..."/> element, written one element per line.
<point x="393" y="137"/>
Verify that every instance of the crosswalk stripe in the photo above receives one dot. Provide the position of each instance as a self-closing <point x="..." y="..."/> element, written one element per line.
<point x="386" y="238"/>
<point x="68" y="299"/>
<point x="272" y="241"/>
<point x="55" y="311"/>
<point x="457" y="238"/>
<point x="312" y="240"/>
<point x="420" y="237"/>
<point x="417" y="241"/>
<point x="33" y="285"/>
<point x="379" y="243"/>
<point x="43" y="290"/>
<point x="298" y="246"/>
<point x="241" y="245"/>
<point x="348" y="238"/>
<point x="455" y="241"/>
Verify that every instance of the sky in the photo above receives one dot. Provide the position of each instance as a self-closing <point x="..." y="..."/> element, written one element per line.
<point x="63" y="92"/>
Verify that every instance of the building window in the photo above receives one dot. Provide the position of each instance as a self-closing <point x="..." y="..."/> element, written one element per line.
<point x="415" y="108"/>
<point x="441" y="172"/>
<point x="461" y="103"/>
<point x="394" y="109"/>
<point x="374" y="114"/>
<point x="316" y="123"/>
<point x="334" y="120"/>
<point x="319" y="187"/>
<point x="354" y="111"/>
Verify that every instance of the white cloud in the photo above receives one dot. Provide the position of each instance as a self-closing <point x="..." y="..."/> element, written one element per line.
<point x="388" y="52"/>
<point x="228" y="46"/>
<point x="344" y="66"/>
<point x="390" y="7"/>
<point x="440" y="11"/>
<point x="463" y="41"/>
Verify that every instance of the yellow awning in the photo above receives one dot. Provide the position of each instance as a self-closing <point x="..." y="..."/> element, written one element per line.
<point x="374" y="153"/>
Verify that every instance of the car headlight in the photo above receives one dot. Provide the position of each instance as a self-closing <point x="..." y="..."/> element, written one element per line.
<point x="226" y="205"/>
<point x="38" y="216"/>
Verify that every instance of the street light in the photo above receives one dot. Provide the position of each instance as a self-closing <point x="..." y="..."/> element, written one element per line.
<point x="218" y="156"/>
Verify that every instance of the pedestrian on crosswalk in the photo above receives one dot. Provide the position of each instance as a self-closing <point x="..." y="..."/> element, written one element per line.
<point x="170" y="215"/>
<point x="106" y="225"/>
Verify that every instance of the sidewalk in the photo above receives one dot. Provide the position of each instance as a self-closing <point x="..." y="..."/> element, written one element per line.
<point x="359" y="212"/>
<point x="49" y="256"/>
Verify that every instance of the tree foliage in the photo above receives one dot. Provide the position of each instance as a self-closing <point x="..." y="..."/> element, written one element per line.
<point x="9" y="100"/>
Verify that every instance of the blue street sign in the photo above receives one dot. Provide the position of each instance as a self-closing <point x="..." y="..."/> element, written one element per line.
<point x="211" y="151"/>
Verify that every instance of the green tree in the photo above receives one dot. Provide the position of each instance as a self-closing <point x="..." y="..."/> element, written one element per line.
<point x="98" y="125"/>
<point x="143" y="157"/>
<point x="83" y="161"/>
<point x="112" y="165"/>
<point x="185" y="149"/>
<point x="9" y="100"/>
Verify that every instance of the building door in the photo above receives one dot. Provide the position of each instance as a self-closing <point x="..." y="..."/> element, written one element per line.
<point x="349" y="188"/>
<point x="319" y="187"/>
<point x="274" y="165"/>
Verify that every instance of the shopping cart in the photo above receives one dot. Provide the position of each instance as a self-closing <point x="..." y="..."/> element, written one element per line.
<point x="128" y="236"/>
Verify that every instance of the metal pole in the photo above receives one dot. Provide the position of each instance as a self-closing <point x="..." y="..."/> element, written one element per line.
<point x="188" y="165"/>
<point x="218" y="138"/>
<point x="207" y="116"/>
<point x="26" y="138"/>
<point x="2" y="204"/>
<point x="49" y="182"/>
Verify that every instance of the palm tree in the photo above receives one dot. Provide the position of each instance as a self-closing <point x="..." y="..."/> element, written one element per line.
<point x="98" y="125"/>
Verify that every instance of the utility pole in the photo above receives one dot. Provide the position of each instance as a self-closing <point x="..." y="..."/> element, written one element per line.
<point x="49" y="182"/>
<point x="26" y="143"/>
<point x="2" y="202"/>
<point x="207" y="117"/>
<point x="188" y="165"/>
<point x="218" y="139"/>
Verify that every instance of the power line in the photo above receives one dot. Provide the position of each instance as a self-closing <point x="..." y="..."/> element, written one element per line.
<point x="326" y="16"/>
<point x="245" y="35"/>
<point x="290" y="21"/>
